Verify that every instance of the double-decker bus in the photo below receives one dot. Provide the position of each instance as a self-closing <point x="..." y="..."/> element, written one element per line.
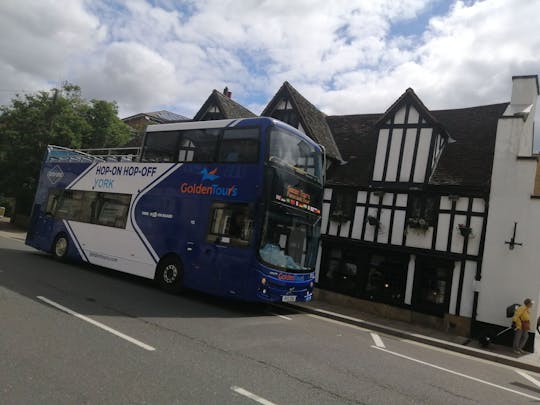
<point x="228" y="207"/>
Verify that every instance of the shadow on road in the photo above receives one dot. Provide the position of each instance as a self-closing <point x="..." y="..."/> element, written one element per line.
<point x="93" y="290"/>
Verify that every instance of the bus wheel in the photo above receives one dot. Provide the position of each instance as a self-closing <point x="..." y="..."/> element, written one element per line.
<point x="60" y="246"/>
<point x="169" y="274"/>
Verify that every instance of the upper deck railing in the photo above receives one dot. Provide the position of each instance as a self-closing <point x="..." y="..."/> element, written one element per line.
<point x="61" y="154"/>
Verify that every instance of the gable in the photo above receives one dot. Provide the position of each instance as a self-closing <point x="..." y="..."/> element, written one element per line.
<point x="291" y="107"/>
<point x="409" y="144"/>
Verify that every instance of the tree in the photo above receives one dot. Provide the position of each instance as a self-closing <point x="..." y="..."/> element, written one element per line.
<point x="59" y="117"/>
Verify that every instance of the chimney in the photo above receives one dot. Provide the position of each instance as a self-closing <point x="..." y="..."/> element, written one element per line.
<point x="525" y="90"/>
<point x="226" y="92"/>
<point x="522" y="108"/>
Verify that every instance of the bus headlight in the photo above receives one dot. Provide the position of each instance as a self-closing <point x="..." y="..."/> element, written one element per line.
<point x="264" y="291"/>
<point x="311" y="285"/>
<point x="263" y="281"/>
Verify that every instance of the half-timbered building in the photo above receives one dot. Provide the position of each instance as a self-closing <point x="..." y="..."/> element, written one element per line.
<point x="416" y="200"/>
<point x="429" y="216"/>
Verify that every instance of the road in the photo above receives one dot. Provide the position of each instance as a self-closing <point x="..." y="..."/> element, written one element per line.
<point x="74" y="333"/>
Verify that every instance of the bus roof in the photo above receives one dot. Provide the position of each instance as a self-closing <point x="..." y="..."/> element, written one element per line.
<point x="174" y="126"/>
<point x="179" y="126"/>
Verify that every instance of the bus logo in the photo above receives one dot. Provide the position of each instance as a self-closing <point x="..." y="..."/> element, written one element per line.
<point x="55" y="174"/>
<point x="209" y="175"/>
<point x="212" y="189"/>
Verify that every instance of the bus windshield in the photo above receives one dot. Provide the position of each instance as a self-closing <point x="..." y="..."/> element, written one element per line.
<point x="289" y="241"/>
<point x="290" y="150"/>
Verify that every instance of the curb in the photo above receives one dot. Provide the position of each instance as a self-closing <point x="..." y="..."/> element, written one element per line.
<point x="509" y="361"/>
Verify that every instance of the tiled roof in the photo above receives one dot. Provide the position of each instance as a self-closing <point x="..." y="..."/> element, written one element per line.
<point x="466" y="161"/>
<point x="228" y="107"/>
<point x="161" y="117"/>
<point x="312" y="119"/>
<point x="357" y="140"/>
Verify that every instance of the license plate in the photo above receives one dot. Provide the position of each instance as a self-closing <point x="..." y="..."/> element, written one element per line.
<point x="288" y="298"/>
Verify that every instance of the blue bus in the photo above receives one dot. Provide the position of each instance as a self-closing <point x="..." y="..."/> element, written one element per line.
<point x="228" y="207"/>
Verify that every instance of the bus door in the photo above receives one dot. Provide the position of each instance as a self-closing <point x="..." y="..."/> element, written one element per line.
<point x="198" y="258"/>
<point x="228" y="245"/>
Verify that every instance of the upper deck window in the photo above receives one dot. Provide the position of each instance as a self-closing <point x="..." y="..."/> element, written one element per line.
<point x="160" y="146"/>
<point x="291" y="150"/>
<point x="198" y="145"/>
<point x="238" y="145"/>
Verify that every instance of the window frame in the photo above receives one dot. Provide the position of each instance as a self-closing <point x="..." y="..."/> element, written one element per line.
<point x="91" y="199"/>
<point x="339" y="200"/>
<point x="227" y="239"/>
<point x="217" y="146"/>
<point x="422" y="200"/>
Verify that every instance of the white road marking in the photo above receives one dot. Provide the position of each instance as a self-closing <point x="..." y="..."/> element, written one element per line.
<point x="457" y="373"/>
<point x="98" y="324"/>
<point x="322" y="318"/>
<point x="251" y="395"/>
<point x="377" y="339"/>
<point x="281" y="316"/>
<point x="323" y="311"/>
<point x="528" y="377"/>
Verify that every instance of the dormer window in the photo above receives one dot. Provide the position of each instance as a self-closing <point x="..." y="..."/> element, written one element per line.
<point x="286" y="113"/>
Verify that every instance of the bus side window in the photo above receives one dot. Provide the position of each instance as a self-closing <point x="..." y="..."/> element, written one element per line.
<point x="198" y="145"/>
<point x="52" y="201"/>
<point x="113" y="209"/>
<point x="230" y="224"/>
<point x="160" y="146"/>
<point x="239" y="145"/>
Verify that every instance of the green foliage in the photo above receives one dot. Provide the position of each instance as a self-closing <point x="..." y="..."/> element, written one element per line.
<point x="59" y="117"/>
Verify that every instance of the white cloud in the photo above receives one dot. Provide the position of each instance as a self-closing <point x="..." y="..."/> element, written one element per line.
<point x="40" y="40"/>
<point x="342" y="55"/>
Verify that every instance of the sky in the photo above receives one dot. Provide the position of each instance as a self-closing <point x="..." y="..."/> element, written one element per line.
<point x="345" y="56"/>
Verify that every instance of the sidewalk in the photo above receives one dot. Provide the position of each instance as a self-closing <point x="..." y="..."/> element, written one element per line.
<point x="403" y="330"/>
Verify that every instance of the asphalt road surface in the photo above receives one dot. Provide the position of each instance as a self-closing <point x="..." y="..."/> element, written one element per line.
<point x="72" y="334"/>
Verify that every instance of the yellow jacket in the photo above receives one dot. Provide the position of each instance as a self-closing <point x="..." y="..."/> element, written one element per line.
<point x="521" y="314"/>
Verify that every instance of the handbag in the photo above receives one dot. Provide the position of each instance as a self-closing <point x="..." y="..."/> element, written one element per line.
<point x="525" y="325"/>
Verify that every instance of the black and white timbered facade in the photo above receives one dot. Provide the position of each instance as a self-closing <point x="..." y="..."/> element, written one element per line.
<point x="428" y="215"/>
<point x="407" y="204"/>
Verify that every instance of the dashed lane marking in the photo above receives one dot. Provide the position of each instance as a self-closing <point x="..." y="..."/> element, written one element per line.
<point x="281" y="316"/>
<point x="251" y="395"/>
<point x="98" y="324"/>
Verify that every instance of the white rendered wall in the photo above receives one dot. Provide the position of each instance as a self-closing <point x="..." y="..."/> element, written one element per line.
<point x="509" y="276"/>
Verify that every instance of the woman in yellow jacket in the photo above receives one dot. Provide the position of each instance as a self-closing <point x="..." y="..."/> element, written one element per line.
<point x="522" y="324"/>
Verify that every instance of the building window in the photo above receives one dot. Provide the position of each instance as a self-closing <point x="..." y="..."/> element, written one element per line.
<point x="286" y="113"/>
<point x="357" y="273"/>
<point x="432" y="284"/>
<point x="386" y="279"/>
<point x="342" y="208"/>
<point x="422" y="209"/>
<point x="343" y="271"/>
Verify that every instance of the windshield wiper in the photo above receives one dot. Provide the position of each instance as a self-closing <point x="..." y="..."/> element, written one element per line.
<point x="293" y="167"/>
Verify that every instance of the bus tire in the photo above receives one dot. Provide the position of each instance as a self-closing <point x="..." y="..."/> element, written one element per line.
<point x="170" y="274"/>
<point x="60" y="246"/>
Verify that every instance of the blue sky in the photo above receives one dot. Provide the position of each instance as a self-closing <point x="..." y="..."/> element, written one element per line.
<point x="346" y="56"/>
